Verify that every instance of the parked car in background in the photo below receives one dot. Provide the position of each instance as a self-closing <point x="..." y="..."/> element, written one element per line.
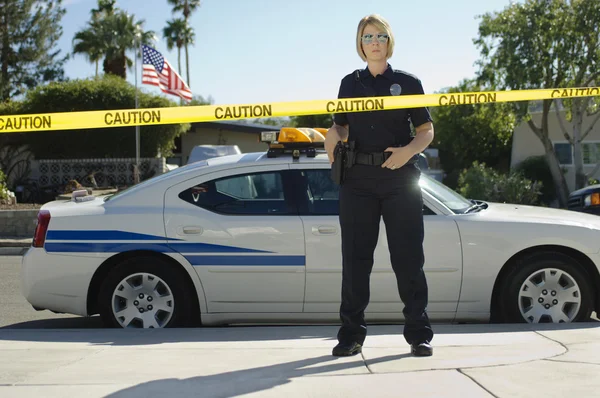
<point x="586" y="200"/>
<point x="203" y="152"/>
<point x="425" y="167"/>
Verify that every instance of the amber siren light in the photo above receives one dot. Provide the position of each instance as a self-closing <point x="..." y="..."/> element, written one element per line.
<point x="294" y="140"/>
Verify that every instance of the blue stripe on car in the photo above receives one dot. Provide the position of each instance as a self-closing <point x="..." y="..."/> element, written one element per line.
<point x="246" y="260"/>
<point x="100" y="235"/>
<point x="117" y="247"/>
<point x="211" y="248"/>
<point x="195" y="260"/>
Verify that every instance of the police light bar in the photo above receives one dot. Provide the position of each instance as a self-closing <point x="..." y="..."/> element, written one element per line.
<point x="295" y="140"/>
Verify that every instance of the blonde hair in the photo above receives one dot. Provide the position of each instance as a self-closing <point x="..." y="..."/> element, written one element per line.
<point x="380" y="23"/>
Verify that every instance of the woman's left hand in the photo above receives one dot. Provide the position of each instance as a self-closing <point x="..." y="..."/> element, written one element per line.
<point x="399" y="157"/>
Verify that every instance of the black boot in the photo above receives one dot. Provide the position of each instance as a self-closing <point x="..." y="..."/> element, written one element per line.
<point x="346" y="349"/>
<point x="422" y="349"/>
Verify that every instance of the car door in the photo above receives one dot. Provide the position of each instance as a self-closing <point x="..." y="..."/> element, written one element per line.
<point x="241" y="232"/>
<point x="319" y="211"/>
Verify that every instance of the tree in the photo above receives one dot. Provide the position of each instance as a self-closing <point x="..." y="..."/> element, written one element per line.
<point x="105" y="8"/>
<point x="106" y="93"/>
<point x="200" y="100"/>
<point x="325" y="121"/>
<point x="545" y="44"/>
<point x="93" y="41"/>
<point x="29" y="34"/>
<point x="110" y="34"/>
<point x="187" y="7"/>
<point x="90" y="43"/>
<point x="178" y="33"/>
<point x="467" y="133"/>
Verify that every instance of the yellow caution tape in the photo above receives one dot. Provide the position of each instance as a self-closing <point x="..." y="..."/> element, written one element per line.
<point x="206" y="113"/>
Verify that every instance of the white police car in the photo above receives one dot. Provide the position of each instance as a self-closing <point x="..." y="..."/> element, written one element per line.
<point x="251" y="238"/>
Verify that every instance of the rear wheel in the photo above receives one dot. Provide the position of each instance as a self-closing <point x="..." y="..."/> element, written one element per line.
<point x="547" y="288"/>
<point x="145" y="292"/>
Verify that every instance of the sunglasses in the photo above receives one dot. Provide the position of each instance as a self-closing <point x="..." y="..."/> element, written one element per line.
<point x="368" y="38"/>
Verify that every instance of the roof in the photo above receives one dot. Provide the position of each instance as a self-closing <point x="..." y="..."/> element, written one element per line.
<point x="236" y="125"/>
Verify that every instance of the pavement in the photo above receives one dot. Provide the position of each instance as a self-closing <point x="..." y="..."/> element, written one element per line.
<point x="522" y="360"/>
<point x="14" y="246"/>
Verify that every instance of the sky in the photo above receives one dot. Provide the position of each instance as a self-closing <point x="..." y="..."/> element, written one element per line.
<point x="257" y="51"/>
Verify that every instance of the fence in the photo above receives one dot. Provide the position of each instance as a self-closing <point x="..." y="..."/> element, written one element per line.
<point x="93" y="172"/>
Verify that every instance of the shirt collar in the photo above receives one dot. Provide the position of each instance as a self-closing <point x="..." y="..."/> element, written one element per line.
<point x="388" y="72"/>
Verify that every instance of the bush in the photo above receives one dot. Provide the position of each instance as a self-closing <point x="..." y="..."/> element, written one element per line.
<point x="485" y="183"/>
<point x="106" y="93"/>
<point x="4" y="193"/>
<point x="536" y="168"/>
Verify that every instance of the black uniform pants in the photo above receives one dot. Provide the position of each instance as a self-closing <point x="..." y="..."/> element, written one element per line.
<point x="368" y="194"/>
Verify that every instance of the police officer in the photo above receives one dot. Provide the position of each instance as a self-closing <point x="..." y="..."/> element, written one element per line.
<point x="383" y="182"/>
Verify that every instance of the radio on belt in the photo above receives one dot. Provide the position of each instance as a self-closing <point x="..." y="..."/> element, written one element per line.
<point x="294" y="140"/>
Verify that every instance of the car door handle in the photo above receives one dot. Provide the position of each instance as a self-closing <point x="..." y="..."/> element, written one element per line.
<point x="324" y="230"/>
<point x="192" y="230"/>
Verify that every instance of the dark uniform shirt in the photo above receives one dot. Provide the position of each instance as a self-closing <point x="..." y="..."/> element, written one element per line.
<point x="374" y="131"/>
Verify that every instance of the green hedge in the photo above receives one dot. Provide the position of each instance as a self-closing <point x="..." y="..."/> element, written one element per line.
<point x="485" y="183"/>
<point x="105" y="93"/>
<point x="536" y="168"/>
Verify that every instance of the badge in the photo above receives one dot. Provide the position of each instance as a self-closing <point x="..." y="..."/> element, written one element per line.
<point x="395" y="89"/>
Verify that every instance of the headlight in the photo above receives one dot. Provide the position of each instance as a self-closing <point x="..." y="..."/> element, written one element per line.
<point x="592" y="199"/>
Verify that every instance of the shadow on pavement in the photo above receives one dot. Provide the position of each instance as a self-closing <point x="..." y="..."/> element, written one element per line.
<point x="133" y="337"/>
<point x="71" y="322"/>
<point x="241" y="382"/>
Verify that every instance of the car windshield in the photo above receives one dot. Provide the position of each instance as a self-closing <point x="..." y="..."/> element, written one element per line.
<point x="451" y="199"/>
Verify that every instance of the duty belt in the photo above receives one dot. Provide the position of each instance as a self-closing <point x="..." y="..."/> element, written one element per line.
<point x="377" y="158"/>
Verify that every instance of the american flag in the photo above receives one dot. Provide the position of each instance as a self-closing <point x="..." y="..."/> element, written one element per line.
<point x="158" y="72"/>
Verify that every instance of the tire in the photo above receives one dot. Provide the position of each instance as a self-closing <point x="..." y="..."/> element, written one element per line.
<point x="168" y="305"/>
<point x="545" y="277"/>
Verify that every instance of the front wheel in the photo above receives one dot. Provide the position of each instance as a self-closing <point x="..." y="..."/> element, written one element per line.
<point x="144" y="292"/>
<point x="548" y="288"/>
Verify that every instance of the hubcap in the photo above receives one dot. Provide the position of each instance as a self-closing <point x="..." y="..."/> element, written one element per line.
<point x="143" y="300"/>
<point x="549" y="295"/>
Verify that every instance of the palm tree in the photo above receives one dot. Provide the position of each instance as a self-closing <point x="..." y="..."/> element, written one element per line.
<point x="110" y="34"/>
<point x="123" y="33"/>
<point x="174" y="33"/>
<point x="187" y="7"/>
<point x="105" y="8"/>
<point x="89" y="42"/>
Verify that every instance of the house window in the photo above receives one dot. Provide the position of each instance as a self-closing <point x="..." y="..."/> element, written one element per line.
<point x="589" y="156"/>
<point x="563" y="152"/>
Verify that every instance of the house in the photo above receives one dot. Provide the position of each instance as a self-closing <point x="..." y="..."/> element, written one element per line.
<point x="526" y="143"/>
<point x="243" y="134"/>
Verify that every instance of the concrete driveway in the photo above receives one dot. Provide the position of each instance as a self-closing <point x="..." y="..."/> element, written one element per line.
<point x="295" y="361"/>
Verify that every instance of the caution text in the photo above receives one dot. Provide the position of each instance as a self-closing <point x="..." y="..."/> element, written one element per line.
<point x="237" y="112"/>
<point x="17" y="123"/>
<point x="355" y="105"/>
<point x="131" y="117"/>
<point x="575" y="92"/>
<point x="465" y="99"/>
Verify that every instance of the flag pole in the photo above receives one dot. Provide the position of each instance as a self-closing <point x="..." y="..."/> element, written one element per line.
<point x="136" y="169"/>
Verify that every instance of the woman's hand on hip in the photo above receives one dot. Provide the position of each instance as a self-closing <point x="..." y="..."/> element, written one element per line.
<point x="398" y="158"/>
